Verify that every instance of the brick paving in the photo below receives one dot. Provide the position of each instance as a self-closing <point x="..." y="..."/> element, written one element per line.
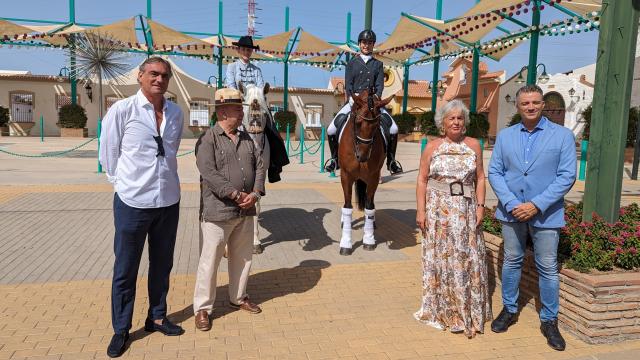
<point x="56" y="257"/>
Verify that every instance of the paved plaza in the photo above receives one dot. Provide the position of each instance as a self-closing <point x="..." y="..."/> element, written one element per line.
<point x="56" y="258"/>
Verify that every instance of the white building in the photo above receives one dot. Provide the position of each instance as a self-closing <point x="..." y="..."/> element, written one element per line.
<point x="565" y="95"/>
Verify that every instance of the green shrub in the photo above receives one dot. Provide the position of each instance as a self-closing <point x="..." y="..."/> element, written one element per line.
<point x="282" y="118"/>
<point x="72" y="116"/>
<point x="214" y="119"/>
<point x="515" y="119"/>
<point x="478" y="126"/>
<point x="406" y="122"/>
<point x="428" y="124"/>
<point x="634" y="115"/>
<point x="4" y="116"/>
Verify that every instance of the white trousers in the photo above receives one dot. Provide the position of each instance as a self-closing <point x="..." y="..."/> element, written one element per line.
<point x="237" y="235"/>
<point x="346" y="109"/>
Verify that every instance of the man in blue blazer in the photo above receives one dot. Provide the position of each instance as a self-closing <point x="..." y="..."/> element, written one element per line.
<point x="532" y="167"/>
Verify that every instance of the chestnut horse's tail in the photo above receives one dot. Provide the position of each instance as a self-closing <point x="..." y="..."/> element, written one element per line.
<point x="361" y="193"/>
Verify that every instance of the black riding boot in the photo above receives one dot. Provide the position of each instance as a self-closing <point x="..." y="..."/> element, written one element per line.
<point x="393" y="165"/>
<point x="332" y="164"/>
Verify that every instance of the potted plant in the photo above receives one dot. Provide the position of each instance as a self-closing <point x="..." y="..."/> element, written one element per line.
<point x="284" y="118"/>
<point x="4" y="121"/>
<point x="72" y="120"/>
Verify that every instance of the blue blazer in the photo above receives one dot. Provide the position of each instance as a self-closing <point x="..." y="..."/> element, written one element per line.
<point x="544" y="181"/>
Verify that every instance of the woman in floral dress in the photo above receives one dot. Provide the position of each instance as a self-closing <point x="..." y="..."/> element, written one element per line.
<point x="450" y="206"/>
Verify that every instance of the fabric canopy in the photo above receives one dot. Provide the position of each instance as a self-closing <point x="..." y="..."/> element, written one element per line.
<point x="277" y="42"/>
<point x="406" y="31"/>
<point x="10" y="29"/>
<point x="583" y="6"/>
<point x="165" y="36"/>
<point x="312" y="44"/>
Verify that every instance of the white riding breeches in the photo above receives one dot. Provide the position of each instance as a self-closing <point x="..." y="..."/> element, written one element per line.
<point x="346" y="109"/>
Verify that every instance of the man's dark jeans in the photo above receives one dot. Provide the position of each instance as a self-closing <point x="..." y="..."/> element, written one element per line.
<point x="132" y="226"/>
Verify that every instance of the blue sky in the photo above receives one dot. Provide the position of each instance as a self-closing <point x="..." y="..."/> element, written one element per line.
<point x="324" y="18"/>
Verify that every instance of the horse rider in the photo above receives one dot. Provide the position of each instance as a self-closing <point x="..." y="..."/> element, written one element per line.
<point x="364" y="72"/>
<point x="242" y="71"/>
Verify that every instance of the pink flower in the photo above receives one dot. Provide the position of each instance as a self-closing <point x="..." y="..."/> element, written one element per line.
<point x="623" y="211"/>
<point x="633" y="250"/>
<point x="588" y="233"/>
<point x="618" y="250"/>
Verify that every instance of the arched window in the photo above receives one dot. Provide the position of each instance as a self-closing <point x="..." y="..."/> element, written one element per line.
<point x="313" y="114"/>
<point x="198" y="112"/>
<point x="21" y="103"/>
<point x="554" y="107"/>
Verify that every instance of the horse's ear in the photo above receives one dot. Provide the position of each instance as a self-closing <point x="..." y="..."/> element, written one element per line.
<point x="241" y="88"/>
<point x="384" y="102"/>
<point x="266" y="88"/>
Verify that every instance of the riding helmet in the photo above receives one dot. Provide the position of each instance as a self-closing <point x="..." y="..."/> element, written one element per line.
<point x="367" y="35"/>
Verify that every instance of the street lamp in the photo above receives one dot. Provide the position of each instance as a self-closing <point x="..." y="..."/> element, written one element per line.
<point x="64" y="73"/>
<point x="88" y="90"/>
<point x="209" y="83"/>
<point x="439" y="85"/>
<point x="542" y="79"/>
<point x="509" y="99"/>
<point x="572" y="94"/>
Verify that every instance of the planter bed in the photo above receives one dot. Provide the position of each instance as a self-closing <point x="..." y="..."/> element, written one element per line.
<point x="598" y="307"/>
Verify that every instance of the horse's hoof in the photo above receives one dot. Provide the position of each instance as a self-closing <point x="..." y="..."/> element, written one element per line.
<point x="368" y="247"/>
<point x="345" y="251"/>
<point x="258" y="249"/>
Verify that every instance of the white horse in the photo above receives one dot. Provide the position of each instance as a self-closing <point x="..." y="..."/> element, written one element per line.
<point x="256" y="118"/>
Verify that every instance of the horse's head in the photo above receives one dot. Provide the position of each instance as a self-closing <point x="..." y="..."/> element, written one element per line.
<point x="254" y="119"/>
<point x="366" y="113"/>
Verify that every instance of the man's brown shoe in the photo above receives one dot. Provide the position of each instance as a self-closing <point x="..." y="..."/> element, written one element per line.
<point x="202" y="321"/>
<point x="247" y="305"/>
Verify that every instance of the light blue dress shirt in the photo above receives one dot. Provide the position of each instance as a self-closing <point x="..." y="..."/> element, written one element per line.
<point x="239" y="72"/>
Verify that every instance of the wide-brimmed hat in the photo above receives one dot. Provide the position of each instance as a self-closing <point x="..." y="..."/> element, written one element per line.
<point x="247" y="42"/>
<point x="228" y="96"/>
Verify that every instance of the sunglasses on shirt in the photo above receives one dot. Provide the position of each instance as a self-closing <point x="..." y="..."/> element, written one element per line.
<point x="158" y="140"/>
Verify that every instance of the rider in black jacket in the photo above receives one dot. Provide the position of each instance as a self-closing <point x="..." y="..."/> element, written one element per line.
<point x="364" y="72"/>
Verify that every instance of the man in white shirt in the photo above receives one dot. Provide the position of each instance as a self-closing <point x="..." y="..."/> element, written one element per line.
<point x="139" y="141"/>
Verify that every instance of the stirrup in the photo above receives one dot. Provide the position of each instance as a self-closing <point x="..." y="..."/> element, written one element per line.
<point x="395" y="167"/>
<point x="331" y="165"/>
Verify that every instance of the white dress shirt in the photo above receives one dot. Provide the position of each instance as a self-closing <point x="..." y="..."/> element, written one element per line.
<point x="128" y="152"/>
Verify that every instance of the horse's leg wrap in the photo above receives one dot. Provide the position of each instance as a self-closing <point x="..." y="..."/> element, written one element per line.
<point x="345" y="241"/>
<point x="369" y="220"/>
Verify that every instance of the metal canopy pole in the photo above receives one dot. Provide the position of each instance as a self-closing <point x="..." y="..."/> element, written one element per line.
<point x="614" y="74"/>
<point x="436" y="62"/>
<point x="285" y="100"/>
<point x="368" y="12"/>
<point x="149" y="9"/>
<point x="72" y="57"/>
<point x="220" y="41"/>
<point x="475" y="70"/>
<point x="533" y="50"/>
<point x="405" y="86"/>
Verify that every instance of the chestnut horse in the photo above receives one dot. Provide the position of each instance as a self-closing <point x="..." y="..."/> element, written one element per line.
<point x="361" y="156"/>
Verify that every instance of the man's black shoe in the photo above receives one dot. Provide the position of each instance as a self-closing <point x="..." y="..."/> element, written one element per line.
<point x="503" y="321"/>
<point x="166" y="328"/>
<point x="117" y="345"/>
<point x="552" y="333"/>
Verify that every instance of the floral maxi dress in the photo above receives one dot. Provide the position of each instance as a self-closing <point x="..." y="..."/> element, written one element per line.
<point x="455" y="287"/>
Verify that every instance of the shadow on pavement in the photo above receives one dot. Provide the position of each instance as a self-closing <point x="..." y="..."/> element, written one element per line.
<point x="262" y="287"/>
<point x="292" y="224"/>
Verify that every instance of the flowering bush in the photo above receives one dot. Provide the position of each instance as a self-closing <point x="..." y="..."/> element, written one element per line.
<point x="593" y="245"/>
